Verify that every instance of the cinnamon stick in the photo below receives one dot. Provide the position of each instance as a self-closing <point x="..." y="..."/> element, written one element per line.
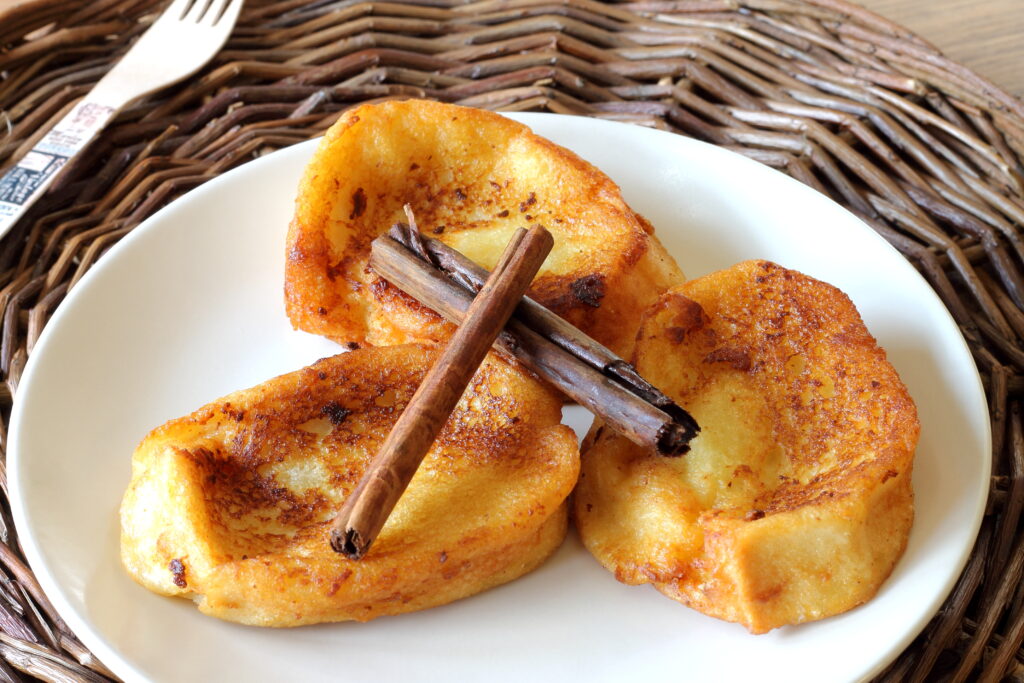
<point x="579" y="366"/>
<point x="367" y="508"/>
<point x="556" y="329"/>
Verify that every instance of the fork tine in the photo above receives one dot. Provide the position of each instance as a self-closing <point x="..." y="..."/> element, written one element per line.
<point x="176" y="10"/>
<point x="212" y="13"/>
<point x="196" y="11"/>
<point x="223" y="11"/>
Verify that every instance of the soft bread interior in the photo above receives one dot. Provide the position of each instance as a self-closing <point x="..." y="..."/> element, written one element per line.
<point x="795" y="501"/>
<point x="230" y="506"/>
<point x="471" y="177"/>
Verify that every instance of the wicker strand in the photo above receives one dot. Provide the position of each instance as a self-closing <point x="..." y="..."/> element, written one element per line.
<point x="926" y="152"/>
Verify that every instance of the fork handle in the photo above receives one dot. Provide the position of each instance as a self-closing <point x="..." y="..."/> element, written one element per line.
<point x="26" y="181"/>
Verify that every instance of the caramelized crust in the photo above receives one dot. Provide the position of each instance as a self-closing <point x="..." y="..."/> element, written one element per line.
<point x="795" y="502"/>
<point x="472" y="177"/>
<point x="230" y="506"/>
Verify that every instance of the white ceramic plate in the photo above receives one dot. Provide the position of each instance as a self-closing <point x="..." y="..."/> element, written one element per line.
<point x="189" y="307"/>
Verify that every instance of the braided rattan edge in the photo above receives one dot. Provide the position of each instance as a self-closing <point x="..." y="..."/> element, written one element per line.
<point x="924" y="150"/>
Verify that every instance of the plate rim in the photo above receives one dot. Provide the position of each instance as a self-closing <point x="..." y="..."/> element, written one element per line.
<point x="123" y="666"/>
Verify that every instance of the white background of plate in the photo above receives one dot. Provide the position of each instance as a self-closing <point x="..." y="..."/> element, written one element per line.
<point x="189" y="307"/>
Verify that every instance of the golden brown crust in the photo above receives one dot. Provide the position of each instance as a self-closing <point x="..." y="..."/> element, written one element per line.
<point x="471" y="177"/>
<point x="230" y="506"/>
<point x="795" y="502"/>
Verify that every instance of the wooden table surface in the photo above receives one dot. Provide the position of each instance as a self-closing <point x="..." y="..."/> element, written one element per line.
<point x="985" y="35"/>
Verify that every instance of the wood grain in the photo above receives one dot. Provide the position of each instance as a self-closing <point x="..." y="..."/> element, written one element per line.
<point x="985" y="35"/>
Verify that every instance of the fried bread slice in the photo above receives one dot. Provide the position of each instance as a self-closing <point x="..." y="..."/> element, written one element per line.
<point x="231" y="506"/>
<point x="795" y="501"/>
<point x="471" y="177"/>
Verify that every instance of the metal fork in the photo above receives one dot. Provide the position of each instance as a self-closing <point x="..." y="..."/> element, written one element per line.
<point x="182" y="39"/>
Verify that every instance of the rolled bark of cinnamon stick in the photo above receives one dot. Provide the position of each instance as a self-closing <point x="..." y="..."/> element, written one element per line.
<point x="612" y="390"/>
<point x="367" y="508"/>
<point x="536" y="317"/>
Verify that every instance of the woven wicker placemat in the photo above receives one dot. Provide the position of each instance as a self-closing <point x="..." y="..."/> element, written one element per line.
<point x="925" y="151"/>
